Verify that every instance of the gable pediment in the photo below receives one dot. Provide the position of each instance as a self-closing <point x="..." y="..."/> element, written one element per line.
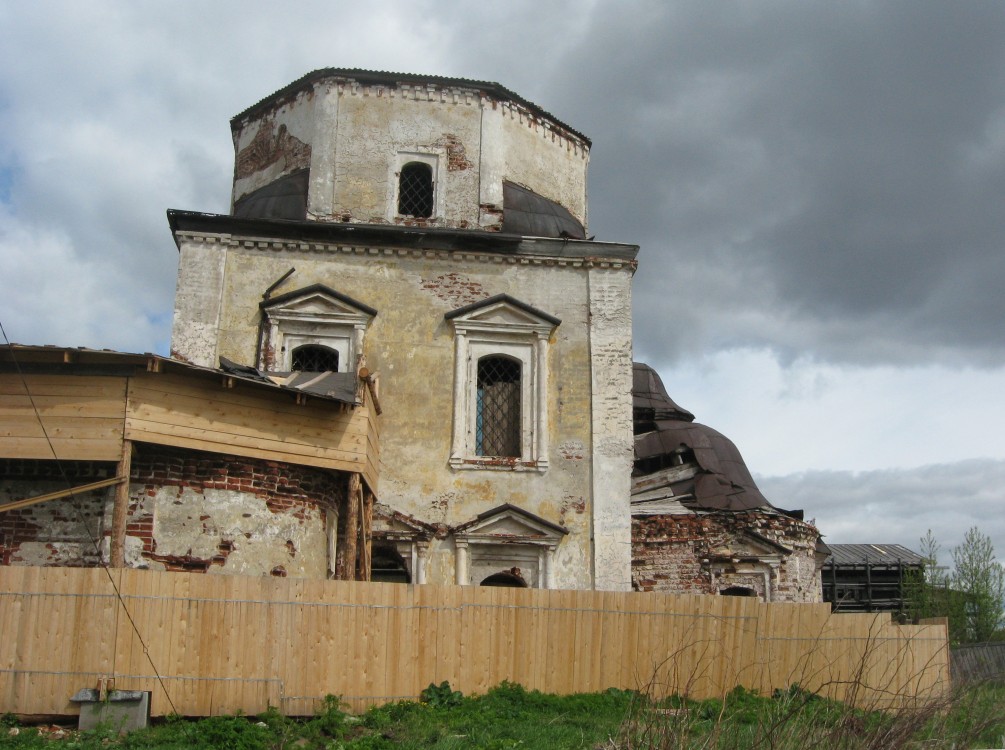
<point x="510" y="523"/>
<point x="390" y="523"/>
<point x="317" y="301"/>
<point x="503" y="313"/>
<point x="747" y="544"/>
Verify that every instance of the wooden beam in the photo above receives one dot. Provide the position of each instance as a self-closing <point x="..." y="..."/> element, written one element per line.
<point x="352" y="525"/>
<point x="365" y="531"/>
<point x="370" y="378"/>
<point x="62" y="493"/>
<point x="120" y="510"/>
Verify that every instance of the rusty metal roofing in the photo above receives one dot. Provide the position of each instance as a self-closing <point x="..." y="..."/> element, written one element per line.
<point x="650" y="400"/>
<point x="723" y="481"/>
<point x="389" y="78"/>
<point x="666" y="434"/>
<point x="528" y="213"/>
<point x="873" y="555"/>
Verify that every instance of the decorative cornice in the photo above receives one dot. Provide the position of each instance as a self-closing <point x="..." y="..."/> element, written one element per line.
<point x="381" y="240"/>
<point x="273" y="245"/>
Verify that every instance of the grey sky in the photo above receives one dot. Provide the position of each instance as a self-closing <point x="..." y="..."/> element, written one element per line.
<point x="817" y="188"/>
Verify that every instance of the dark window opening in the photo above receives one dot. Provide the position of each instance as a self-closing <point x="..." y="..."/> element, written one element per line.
<point x="314" y="358"/>
<point x="497" y="429"/>
<point x="738" y="591"/>
<point x="387" y="566"/>
<point x="506" y="578"/>
<point x="415" y="190"/>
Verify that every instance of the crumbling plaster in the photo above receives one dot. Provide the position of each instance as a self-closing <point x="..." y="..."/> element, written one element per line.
<point x="356" y="137"/>
<point x="410" y="344"/>
<point x="695" y="553"/>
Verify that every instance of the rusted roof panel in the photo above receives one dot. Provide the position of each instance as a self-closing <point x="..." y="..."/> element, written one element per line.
<point x="650" y="399"/>
<point x="665" y="430"/>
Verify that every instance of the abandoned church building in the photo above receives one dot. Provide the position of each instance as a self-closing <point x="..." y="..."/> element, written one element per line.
<point x="400" y="357"/>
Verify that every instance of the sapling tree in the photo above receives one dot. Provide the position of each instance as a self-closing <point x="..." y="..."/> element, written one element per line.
<point x="980" y="580"/>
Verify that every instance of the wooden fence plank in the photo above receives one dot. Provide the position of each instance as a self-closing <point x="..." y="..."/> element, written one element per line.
<point x="226" y="643"/>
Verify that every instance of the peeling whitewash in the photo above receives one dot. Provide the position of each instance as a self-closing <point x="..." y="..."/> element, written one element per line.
<point x="354" y="136"/>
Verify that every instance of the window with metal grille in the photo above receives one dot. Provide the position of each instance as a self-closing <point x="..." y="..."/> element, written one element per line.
<point x="314" y="358"/>
<point x="415" y="190"/>
<point x="497" y="426"/>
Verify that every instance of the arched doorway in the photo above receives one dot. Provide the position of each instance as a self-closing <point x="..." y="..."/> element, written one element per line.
<point x="388" y="566"/>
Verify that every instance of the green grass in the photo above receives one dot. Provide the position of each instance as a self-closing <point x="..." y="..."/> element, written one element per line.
<point x="508" y="716"/>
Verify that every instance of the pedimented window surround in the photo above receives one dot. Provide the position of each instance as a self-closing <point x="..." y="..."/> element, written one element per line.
<point x="508" y="540"/>
<point x="501" y="326"/>
<point x="315" y="315"/>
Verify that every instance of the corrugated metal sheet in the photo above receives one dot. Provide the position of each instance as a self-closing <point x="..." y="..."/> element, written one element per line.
<point x="875" y="555"/>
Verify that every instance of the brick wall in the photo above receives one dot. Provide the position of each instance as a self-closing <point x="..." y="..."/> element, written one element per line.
<point x="188" y="510"/>
<point x="207" y="512"/>
<point x="685" y="554"/>
<point x="62" y="533"/>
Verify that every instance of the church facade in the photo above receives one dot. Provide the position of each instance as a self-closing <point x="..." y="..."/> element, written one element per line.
<point x="399" y="357"/>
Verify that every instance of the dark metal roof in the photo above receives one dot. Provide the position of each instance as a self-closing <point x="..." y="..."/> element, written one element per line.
<point x="723" y="481"/>
<point x="528" y="213"/>
<point x="649" y="396"/>
<point x="390" y="235"/>
<point x="873" y="555"/>
<point x="340" y="386"/>
<point x="393" y="79"/>
<point x="285" y="198"/>
<point x="666" y="431"/>
<point x="503" y="298"/>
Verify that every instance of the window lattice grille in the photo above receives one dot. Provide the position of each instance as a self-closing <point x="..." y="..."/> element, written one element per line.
<point x="314" y="358"/>
<point x="415" y="190"/>
<point x="498" y="408"/>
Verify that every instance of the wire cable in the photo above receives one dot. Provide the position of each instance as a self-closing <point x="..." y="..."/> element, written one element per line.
<point x="83" y="523"/>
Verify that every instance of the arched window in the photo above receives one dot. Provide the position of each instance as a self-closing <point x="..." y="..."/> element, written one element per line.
<point x="497" y="424"/>
<point x="415" y="190"/>
<point x="506" y="578"/>
<point x="314" y="358"/>
<point x="738" y="591"/>
<point x="388" y="566"/>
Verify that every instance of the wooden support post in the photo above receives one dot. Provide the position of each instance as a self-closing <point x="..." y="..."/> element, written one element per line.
<point x="366" y="528"/>
<point x="352" y="525"/>
<point x="120" y="509"/>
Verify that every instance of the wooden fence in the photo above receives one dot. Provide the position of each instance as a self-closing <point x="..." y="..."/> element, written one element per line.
<point x="978" y="662"/>
<point x="226" y="643"/>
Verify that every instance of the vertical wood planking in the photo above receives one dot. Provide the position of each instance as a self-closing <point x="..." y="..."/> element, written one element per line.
<point x="226" y="643"/>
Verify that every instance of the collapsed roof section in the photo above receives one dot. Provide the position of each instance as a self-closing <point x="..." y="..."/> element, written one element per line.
<point x="694" y="465"/>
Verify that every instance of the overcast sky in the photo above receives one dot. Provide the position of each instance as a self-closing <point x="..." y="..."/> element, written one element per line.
<point x="818" y="189"/>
